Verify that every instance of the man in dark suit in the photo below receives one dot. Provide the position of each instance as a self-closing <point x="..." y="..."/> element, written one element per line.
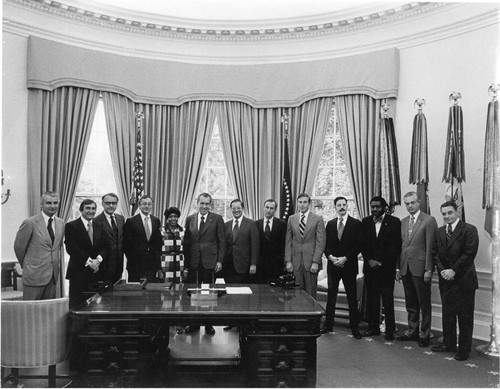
<point x="204" y="247"/>
<point x="38" y="246"/>
<point x="86" y="247"/>
<point x="381" y="248"/>
<point x="112" y="226"/>
<point x="242" y="246"/>
<point x="272" y="235"/>
<point x="415" y="268"/>
<point x="454" y="250"/>
<point x="142" y="241"/>
<point x="342" y="248"/>
<point x="305" y="243"/>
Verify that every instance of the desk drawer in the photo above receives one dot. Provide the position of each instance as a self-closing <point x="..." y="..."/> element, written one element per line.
<point x="280" y="327"/>
<point x="116" y="327"/>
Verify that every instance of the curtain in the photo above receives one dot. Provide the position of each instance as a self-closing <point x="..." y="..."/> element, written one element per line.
<point x="60" y="122"/>
<point x="307" y="132"/>
<point x="175" y="141"/>
<point x="358" y="118"/>
<point x="251" y="139"/>
<point x="120" y="124"/>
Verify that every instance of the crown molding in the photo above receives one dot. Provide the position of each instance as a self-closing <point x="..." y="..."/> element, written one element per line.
<point x="428" y="23"/>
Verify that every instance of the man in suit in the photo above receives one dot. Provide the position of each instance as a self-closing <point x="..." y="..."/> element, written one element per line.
<point x="142" y="241"/>
<point x="342" y="248"/>
<point x="272" y="235"/>
<point x="381" y="248"/>
<point x="112" y="226"/>
<point x="454" y="250"/>
<point x="415" y="268"/>
<point x="305" y="243"/>
<point x="242" y="246"/>
<point x="38" y="246"/>
<point x="86" y="247"/>
<point x="204" y="247"/>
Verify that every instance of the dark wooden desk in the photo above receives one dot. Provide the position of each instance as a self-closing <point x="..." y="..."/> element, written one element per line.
<point x="126" y="332"/>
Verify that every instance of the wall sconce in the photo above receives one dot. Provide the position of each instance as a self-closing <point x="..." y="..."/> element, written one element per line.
<point x="5" y="192"/>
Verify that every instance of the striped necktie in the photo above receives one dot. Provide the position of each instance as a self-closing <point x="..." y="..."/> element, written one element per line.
<point x="449" y="231"/>
<point x="302" y="225"/>
<point x="411" y="224"/>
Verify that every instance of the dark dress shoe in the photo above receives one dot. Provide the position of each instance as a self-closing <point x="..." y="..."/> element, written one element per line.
<point x="407" y="337"/>
<point x="209" y="330"/>
<point x="356" y="334"/>
<point x="228" y="328"/>
<point x="462" y="356"/>
<point x="389" y="336"/>
<point x="191" y="329"/>
<point x="326" y="329"/>
<point x="424" y="342"/>
<point x="371" y="333"/>
<point x="179" y="330"/>
<point x="441" y="348"/>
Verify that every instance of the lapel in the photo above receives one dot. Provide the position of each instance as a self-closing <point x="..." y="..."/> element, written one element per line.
<point x="347" y="226"/>
<point x="208" y="220"/>
<point x="309" y="223"/>
<point x="83" y="231"/>
<point x="106" y="225"/>
<point x="417" y="225"/>
<point x="40" y="222"/>
<point x="140" y="226"/>
<point x="240" y="226"/>
<point x="455" y="233"/>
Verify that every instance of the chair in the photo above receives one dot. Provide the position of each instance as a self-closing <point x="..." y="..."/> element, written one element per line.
<point x="11" y="272"/>
<point x="34" y="335"/>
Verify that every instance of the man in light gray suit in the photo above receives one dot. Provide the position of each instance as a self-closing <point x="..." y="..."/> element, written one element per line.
<point x="38" y="246"/>
<point x="415" y="268"/>
<point x="305" y="243"/>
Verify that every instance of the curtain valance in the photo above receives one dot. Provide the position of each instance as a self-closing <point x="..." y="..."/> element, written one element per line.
<point x="154" y="81"/>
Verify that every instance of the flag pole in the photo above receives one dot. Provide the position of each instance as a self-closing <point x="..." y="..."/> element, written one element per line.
<point x="286" y="201"/>
<point x="138" y="172"/>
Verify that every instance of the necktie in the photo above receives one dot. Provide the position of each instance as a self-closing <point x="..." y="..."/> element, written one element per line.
<point x="236" y="228"/>
<point x="448" y="232"/>
<point x="410" y="224"/>
<point x="146" y="227"/>
<point x="50" y="230"/>
<point x="267" y="231"/>
<point x="202" y="224"/>
<point x="113" y="225"/>
<point x="340" y="228"/>
<point x="302" y="225"/>
<point x="90" y="231"/>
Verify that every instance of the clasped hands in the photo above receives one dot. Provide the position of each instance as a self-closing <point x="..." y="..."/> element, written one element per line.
<point x="94" y="263"/>
<point x="337" y="261"/>
<point x="448" y="274"/>
<point x="314" y="267"/>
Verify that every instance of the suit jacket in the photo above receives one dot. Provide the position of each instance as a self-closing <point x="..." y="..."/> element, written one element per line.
<point x="310" y="247"/>
<point x="80" y="248"/>
<point x="348" y="246"/>
<point x="114" y="266"/>
<point x="272" y="250"/>
<point x="457" y="254"/>
<point x="142" y="255"/>
<point x="243" y="250"/>
<point x="416" y="250"/>
<point x="209" y="246"/>
<point x="37" y="255"/>
<point x="386" y="247"/>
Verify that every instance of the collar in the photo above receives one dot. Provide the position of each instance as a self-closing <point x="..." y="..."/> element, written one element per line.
<point x="205" y="216"/>
<point x="85" y="221"/>
<point x="144" y="216"/>
<point x="306" y="214"/>
<point x="454" y="224"/>
<point x="47" y="217"/>
<point x="417" y="214"/>
<point x="344" y="218"/>
<point x="380" y="219"/>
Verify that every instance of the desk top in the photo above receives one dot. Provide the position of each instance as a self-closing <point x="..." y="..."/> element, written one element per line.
<point x="265" y="301"/>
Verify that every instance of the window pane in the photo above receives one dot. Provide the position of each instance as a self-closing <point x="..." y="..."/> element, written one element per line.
<point x="324" y="182"/>
<point x="216" y="181"/>
<point x="342" y="184"/>
<point x="328" y="152"/>
<point x="339" y="151"/>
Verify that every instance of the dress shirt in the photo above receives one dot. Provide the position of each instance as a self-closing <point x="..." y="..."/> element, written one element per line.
<point x="379" y="224"/>
<point x="108" y="218"/>
<point x="270" y="224"/>
<point x="199" y="219"/>
<point x="143" y="217"/>
<point x="239" y="222"/>
<point x="46" y="220"/>
<point x="306" y="214"/>
<point x="344" y="221"/>
<point x="454" y="225"/>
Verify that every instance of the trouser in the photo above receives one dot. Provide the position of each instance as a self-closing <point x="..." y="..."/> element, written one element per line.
<point x="307" y="280"/>
<point x="418" y="299"/>
<point x="44" y="292"/>
<point x="379" y="284"/>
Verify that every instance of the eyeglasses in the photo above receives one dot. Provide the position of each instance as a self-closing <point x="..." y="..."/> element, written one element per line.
<point x="111" y="202"/>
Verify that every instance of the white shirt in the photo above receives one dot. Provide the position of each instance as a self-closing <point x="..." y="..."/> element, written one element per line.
<point x="239" y="222"/>
<point x="454" y="224"/>
<point x="108" y="218"/>
<point x="46" y="219"/>
<point x="143" y="217"/>
<point x="415" y="217"/>
<point x="306" y="214"/>
<point x="344" y="221"/>
<point x="85" y="222"/>
<point x="379" y="224"/>
<point x="270" y="224"/>
<point x="199" y="218"/>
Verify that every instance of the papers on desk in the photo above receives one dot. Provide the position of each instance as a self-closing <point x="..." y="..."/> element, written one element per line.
<point x="238" y="290"/>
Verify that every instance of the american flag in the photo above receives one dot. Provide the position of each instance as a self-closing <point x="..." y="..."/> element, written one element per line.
<point x="286" y="201"/>
<point x="138" y="173"/>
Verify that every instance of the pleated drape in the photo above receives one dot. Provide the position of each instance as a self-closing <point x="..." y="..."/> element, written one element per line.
<point x="175" y="146"/>
<point x="358" y="120"/>
<point x="491" y="176"/>
<point x="251" y="140"/>
<point x="60" y="122"/>
<point x="307" y="133"/>
<point x="120" y="123"/>
<point x="419" y="165"/>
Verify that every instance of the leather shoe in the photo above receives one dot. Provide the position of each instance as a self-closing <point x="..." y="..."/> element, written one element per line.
<point x="440" y="348"/>
<point x="191" y="329"/>
<point x="228" y="328"/>
<point x="389" y="336"/>
<point x="407" y="337"/>
<point x="209" y="330"/>
<point x="424" y="342"/>
<point x="371" y="333"/>
<point x="462" y="356"/>
<point x="356" y="334"/>
<point x="326" y="330"/>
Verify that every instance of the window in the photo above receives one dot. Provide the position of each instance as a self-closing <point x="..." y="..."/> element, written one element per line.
<point x="332" y="179"/>
<point x="215" y="178"/>
<point x="97" y="177"/>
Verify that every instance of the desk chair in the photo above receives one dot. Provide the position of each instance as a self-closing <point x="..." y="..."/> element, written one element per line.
<point x="34" y="335"/>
